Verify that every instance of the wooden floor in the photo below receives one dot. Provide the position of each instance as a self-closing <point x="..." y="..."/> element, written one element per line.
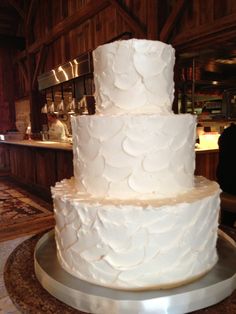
<point x="22" y="213"/>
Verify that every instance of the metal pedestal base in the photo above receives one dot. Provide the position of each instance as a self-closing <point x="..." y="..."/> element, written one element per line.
<point x="218" y="284"/>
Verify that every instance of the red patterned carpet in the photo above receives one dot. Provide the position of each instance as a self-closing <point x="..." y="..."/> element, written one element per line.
<point x="22" y="213"/>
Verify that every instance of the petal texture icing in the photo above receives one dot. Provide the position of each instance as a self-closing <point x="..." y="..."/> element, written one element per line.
<point x="134" y="76"/>
<point x="134" y="216"/>
<point x="137" y="244"/>
<point x="140" y="156"/>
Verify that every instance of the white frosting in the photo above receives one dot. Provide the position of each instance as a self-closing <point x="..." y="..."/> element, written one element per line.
<point x="134" y="156"/>
<point x="139" y="220"/>
<point x="137" y="244"/>
<point x="134" y="76"/>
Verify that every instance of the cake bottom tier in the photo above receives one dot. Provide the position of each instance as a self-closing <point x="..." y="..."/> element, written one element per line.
<point x="137" y="244"/>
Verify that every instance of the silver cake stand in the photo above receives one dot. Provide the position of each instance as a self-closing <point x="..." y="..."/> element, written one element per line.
<point x="218" y="284"/>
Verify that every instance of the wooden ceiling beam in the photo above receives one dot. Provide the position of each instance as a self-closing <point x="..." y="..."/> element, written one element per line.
<point x="30" y="14"/>
<point x="152" y="21"/>
<point x="172" y="20"/>
<point x="15" y="5"/>
<point x="219" y="30"/>
<point x="40" y="62"/>
<point x="135" y="25"/>
<point x="23" y="70"/>
<point x="85" y="13"/>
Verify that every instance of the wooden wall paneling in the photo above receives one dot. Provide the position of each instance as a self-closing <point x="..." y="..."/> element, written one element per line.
<point x="189" y="19"/>
<point x="63" y="49"/>
<point x="80" y="46"/>
<point x="122" y="27"/>
<point x="49" y="63"/>
<point x="140" y="10"/>
<point x="108" y="22"/>
<point x="58" y="47"/>
<point x="85" y="13"/>
<point x="152" y="19"/>
<point x="4" y="112"/>
<point x="233" y="6"/>
<point x="73" y="6"/>
<point x="97" y="29"/>
<point x="91" y="39"/>
<point x="205" y="22"/>
<point x="67" y="50"/>
<point x="222" y="8"/>
<point x="73" y="43"/>
<point x="207" y="12"/>
<point x="100" y="29"/>
<point x="220" y="31"/>
<point x="57" y="10"/>
<point x="104" y="31"/>
<point x="86" y="31"/>
<point x="172" y="20"/>
<point x="7" y="88"/>
<point x="130" y="20"/>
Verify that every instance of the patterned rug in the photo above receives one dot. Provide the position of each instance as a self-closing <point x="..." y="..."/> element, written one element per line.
<point x="22" y="213"/>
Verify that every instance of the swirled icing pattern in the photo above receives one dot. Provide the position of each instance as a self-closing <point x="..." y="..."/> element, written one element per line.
<point x="134" y="76"/>
<point x="133" y="217"/>
<point x="134" y="156"/>
<point x="139" y="244"/>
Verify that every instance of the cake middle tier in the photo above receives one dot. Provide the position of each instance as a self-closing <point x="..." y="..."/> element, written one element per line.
<point x="134" y="156"/>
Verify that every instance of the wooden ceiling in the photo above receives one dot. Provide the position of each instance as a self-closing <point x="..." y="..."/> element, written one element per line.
<point x="12" y="23"/>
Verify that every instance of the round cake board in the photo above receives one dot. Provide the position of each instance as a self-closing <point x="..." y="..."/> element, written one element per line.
<point x="218" y="284"/>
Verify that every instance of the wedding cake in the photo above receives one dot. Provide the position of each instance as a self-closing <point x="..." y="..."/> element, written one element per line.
<point x="134" y="216"/>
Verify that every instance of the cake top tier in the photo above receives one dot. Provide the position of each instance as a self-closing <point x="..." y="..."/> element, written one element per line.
<point x="134" y="76"/>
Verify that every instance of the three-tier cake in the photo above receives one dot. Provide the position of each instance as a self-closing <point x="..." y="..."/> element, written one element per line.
<point x="134" y="216"/>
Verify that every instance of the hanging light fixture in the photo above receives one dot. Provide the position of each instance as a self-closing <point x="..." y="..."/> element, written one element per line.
<point x="44" y="109"/>
<point x="61" y="106"/>
<point x="72" y="103"/>
<point x="51" y="107"/>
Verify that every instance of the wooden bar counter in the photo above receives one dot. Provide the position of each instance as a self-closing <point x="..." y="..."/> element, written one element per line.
<point x="37" y="165"/>
<point x="206" y="163"/>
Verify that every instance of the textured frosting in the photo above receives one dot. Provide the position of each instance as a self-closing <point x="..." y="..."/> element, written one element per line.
<point x="133" y="216"/>
<point x="134" y="156"/>
<point x="137" y="244"/>
<point x="134" y="76"/>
